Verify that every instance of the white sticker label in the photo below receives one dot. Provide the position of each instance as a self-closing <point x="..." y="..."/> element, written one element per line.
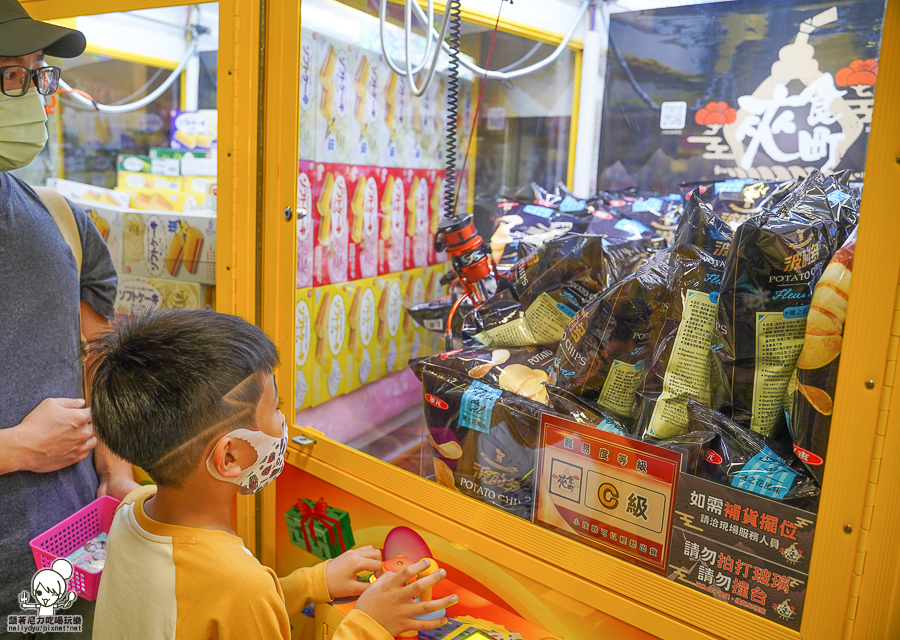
<point x="673" y="115"/>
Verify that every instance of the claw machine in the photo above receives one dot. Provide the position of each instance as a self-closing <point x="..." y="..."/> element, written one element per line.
<point x="617" y="536"/>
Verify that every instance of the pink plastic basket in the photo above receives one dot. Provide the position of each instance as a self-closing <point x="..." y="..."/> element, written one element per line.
<point x="71" y="533"/>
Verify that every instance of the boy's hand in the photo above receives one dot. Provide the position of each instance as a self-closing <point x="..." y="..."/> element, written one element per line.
<point x="340" y="573"/>
<point x="389" y="600"/>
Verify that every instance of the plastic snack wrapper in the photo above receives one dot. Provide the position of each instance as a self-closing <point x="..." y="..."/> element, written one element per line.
<point x="485" y="439"/>
<point x="433" y="315"/>
<point x="775" y="261"/>
<point x="746" y="461"/>
<point x="606" y="349"/>
<point x="810" y="399"/>
<point x="522" y="370"/>
<point x="681" y="363"/>
<point x="660" y="215"/>
<point x="532" y="224"/>
<point x="548" y="287"/>
<point x="739" y="199"/>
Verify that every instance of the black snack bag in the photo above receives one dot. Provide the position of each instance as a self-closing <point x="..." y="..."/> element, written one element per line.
<point x="775" y="261"/>
<point x="681" y="363"/>
<point x="533" y="224"/>
<point x="738" y="200"/>
<point x="811" y="389"/>
<point x="845" y="203"/>
<point x="746" y="461"/>
<point x="522" y="370"/>
<point x="485" y="439"/>
<point x="433" y="315"/>
<point x="661" y="215"/>
<point x="690" y="445"/>
<point x="605" y="350"/>
<point x="548" y="287"/>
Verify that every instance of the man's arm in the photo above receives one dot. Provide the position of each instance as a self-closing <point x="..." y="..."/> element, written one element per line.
<point x="115" y="475"/>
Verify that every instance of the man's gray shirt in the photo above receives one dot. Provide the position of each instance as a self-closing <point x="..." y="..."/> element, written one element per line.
<point x="39" y="358"/>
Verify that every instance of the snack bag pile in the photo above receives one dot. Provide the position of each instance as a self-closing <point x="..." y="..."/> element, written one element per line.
<point x="708" y="322"/>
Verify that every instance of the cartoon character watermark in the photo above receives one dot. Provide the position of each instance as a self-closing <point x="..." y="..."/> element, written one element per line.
<point x="49" y="595"/>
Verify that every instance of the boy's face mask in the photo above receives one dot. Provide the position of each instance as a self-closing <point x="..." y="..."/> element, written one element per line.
<point x="23" y="132"/>
<point x="269" y="459"/>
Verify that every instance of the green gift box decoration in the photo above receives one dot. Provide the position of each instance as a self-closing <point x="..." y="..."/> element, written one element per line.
<point x="323" y="531"/>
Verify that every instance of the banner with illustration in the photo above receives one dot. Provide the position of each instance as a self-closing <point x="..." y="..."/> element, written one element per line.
<point x="746" y="89"/>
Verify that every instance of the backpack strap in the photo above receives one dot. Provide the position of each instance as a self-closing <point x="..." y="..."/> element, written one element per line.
<point x="62" y="215"/>
<point x="64" y="218"/>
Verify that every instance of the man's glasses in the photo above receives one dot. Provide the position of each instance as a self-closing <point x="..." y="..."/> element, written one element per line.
<point x="15" y="81"/>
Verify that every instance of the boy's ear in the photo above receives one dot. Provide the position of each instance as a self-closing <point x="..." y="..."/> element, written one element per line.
<point x="224" y="459"/>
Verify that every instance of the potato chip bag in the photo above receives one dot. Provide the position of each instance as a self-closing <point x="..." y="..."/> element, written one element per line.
<point x="774" y="263"/>
<point x="680" y="367"/>
<point x="810" y="399"/>
<point x="606" y="349"/>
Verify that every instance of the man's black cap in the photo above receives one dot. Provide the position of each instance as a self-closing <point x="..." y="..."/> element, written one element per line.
<point x="20" y="35"/>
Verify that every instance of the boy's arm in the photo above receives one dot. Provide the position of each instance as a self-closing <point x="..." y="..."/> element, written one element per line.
<point x="360" y="626"/>
<point x="303" y="586"/>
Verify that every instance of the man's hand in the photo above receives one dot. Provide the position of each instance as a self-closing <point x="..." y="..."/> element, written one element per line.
<point x="389" y="600"/>
<point x="115" y="476"/>
<point x="340" y="573"/>
<point x="56" y="434"/>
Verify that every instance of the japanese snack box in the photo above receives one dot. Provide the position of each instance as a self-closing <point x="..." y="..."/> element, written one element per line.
<point x="426" y="126"/>
<point x="77" y="190"/>
<point x="391" y="220"/>
<point x="369" y="136"/>
<point x="150" y="199"/>
<point x="332" y="357"/>
<point x="138" y="181"/>
<point x="170" y="245"/>
<point x="309" y="94"/>
<point x="397" y="117"/>
<point x="306" y="343"/>
<point x="108" y="220"/>
<point x="367" y="351"/>
<point x="435" y="180"/>
<point x="414" y="293"/>
<point x="334" y="186"/>
<point x="306" y="202"/>
<point x="389" y="320"/>
<point x="137" y="296"/>
<point x="335" y="100"/>
<point x="418" y="204"/>
<point x="364" y="228"/>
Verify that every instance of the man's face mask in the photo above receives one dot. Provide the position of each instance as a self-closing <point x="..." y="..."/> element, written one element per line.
<point x="269" y="459"/>
<point x="23" y="132"/>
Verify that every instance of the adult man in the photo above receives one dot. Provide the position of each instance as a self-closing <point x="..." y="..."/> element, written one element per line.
<point x="50" y="462"/>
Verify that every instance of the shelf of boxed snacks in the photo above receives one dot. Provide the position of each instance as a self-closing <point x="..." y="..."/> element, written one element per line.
<point x="160" y="227"/>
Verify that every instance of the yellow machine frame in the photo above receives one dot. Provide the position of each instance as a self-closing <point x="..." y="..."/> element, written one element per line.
<point x="853" y="586"/>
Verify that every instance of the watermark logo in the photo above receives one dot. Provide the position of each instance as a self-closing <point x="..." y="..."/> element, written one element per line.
<point x="49" y="594"/>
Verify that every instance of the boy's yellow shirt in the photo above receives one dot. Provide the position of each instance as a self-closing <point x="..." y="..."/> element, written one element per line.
<point x="168" y="582"/>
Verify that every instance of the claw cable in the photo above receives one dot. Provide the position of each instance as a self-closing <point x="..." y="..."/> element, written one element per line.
<point x="455" y="29"/>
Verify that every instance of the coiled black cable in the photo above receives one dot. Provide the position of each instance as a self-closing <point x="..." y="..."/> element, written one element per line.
<point x="453" y="88"/>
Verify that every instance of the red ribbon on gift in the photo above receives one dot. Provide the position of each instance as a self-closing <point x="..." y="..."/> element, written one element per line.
<point x="319" y="513"/>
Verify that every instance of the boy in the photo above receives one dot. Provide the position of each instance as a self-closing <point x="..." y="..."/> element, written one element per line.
<point x="189" y="396"/>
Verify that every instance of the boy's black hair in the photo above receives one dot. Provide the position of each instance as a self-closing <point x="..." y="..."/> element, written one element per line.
<point x="159" y="383"/>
